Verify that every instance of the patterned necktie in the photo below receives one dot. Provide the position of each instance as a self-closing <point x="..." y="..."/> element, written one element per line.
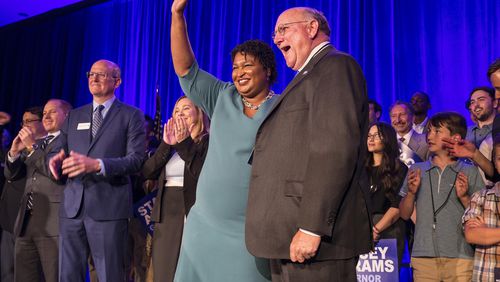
<point x="46" y="141"/>
<point x="402" y="139"/>
<point x="29" y="203"/>
<point x="97" y="120"/>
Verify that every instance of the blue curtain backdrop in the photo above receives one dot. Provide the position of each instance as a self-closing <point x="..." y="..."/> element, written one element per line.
<point x="441" y="47"/>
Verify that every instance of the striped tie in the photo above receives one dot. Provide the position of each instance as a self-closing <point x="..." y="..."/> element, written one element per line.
<point x="46" y="141"/>
<point x="29" y="203"/>
<point x="97" y="120"/>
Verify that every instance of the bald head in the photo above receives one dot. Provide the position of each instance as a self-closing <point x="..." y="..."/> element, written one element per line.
<point x="297" y="32"/>
<point x="104" y="78"/>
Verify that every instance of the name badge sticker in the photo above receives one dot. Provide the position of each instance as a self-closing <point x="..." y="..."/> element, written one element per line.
<point x="83" y="126"/>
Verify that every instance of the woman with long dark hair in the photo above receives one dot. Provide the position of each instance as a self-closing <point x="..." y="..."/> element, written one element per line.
<point x="387" y="174"/>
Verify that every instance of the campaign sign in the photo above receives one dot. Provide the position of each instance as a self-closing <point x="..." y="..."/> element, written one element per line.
<point x="380" y="265"/>
<point x="143" y="209"/>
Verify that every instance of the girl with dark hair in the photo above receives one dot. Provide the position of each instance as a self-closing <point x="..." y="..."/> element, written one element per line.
<point x="386" y="173"/>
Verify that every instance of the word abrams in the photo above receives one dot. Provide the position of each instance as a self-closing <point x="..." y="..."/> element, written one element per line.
<point x="380" y="265"/>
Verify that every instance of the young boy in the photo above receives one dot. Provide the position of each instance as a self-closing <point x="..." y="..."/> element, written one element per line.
<point x="438" y="191"/>
<point x="482" y="227"/>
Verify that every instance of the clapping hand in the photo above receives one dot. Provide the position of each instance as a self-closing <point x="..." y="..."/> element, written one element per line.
<point x="27" y="137"/>
<point x="182" y="129"/>
<point x="55" y="164"/>
<point x="169" y="132"/>
<point x="461" y="185"/>
<point x="413" y="181"/>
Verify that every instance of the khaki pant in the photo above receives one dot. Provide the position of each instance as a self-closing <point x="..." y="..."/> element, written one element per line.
<point x="442" y="269"/>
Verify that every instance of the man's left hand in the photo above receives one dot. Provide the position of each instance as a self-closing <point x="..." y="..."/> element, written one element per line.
<point x="303" y="246"/>
<point x="77" y="164"/>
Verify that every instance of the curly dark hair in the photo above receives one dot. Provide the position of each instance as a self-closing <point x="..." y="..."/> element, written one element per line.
<point x="262" y="52"/>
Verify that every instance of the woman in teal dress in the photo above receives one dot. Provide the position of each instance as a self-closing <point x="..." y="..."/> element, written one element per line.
<point x="213" y="243"/>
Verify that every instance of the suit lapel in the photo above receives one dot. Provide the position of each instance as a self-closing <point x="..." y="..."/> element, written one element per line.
<point x="110" y="115"/>
<point x="300" y="76"/>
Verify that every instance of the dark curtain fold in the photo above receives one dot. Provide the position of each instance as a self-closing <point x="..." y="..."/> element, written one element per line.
<point x="441" y="47"/>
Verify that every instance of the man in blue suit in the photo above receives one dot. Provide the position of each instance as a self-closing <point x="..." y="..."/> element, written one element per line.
<point x="103" y="144"/>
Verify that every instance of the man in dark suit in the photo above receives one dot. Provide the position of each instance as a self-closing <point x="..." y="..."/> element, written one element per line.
<point x="11" y="196"/>
<point x="308" y="207"/>
<point x="103" y="144"/>
<point x="36" y="228"/>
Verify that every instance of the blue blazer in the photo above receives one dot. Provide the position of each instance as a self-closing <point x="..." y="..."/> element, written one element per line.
<point x="120" y="143"/>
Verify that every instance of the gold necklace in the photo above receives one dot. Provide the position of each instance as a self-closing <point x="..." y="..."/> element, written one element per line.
<point x="253" y="107"/>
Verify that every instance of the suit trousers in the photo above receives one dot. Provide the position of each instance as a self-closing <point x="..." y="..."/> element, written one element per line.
<point x="106" y="241"/>
<point x="7" y="257"/>
<point x="36" y="256"/>
<point x="341" y="270"/>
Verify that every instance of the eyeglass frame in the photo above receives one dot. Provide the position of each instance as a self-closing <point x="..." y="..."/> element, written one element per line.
<point x="29" y="121"/>
<point x="99" y="75"/>
<point x="375" y="136"/>
<point x="282" y="28"/>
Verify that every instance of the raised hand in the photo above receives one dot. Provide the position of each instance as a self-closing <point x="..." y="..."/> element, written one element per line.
<point x="55" y="164"/>
<point x="4" y="118"/>
<point x="413" y="180"/>
<point x="182" y="130"/>
<point x="169" y="132"/>
<point x="27" y="137"/>
<point x="178" y="6"/>
<point x="16" y="147"/>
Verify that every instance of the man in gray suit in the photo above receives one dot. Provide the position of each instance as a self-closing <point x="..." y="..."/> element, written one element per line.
<point x="103" y="145"/>
<point x="413" y="145"/>
<point x="12" y="193"/>
<point x="36" y="228"/>
<point x="308" y="201"/>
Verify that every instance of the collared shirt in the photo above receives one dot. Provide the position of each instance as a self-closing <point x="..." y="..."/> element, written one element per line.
<point x="419" y="128"/>
<point x="406" y="137"/>
<point x="104" y="112"/>
<point x="313" y="53"/>
<point x="444" y="237"/>
<point x="106" y="105"/>
<point x="476" y="134"/>
<point x="485" y="204"/>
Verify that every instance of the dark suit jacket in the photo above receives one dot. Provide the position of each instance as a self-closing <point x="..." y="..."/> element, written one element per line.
<point x="418" y="143"/>
<point x="46" y="192"/>
<point x="307" y="169"/>
<point x="12" y="193"/>
<point x="120" y="143"/>
<point x="193" y="155"/>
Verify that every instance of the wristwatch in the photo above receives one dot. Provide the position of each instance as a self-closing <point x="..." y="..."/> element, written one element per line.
<point x="32" y="148"/>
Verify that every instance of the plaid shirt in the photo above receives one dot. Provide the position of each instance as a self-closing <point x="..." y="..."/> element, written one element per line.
<point x="485" y="203"/>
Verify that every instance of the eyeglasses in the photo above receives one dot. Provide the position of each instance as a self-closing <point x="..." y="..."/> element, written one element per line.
<point x="374" y="136"/>
<point x="98" y="75"/>
<point x="28" y="121"/>
<point x="283" y="27"/>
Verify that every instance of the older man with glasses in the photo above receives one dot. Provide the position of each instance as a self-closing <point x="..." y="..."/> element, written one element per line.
<point x="307" y="208"/>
